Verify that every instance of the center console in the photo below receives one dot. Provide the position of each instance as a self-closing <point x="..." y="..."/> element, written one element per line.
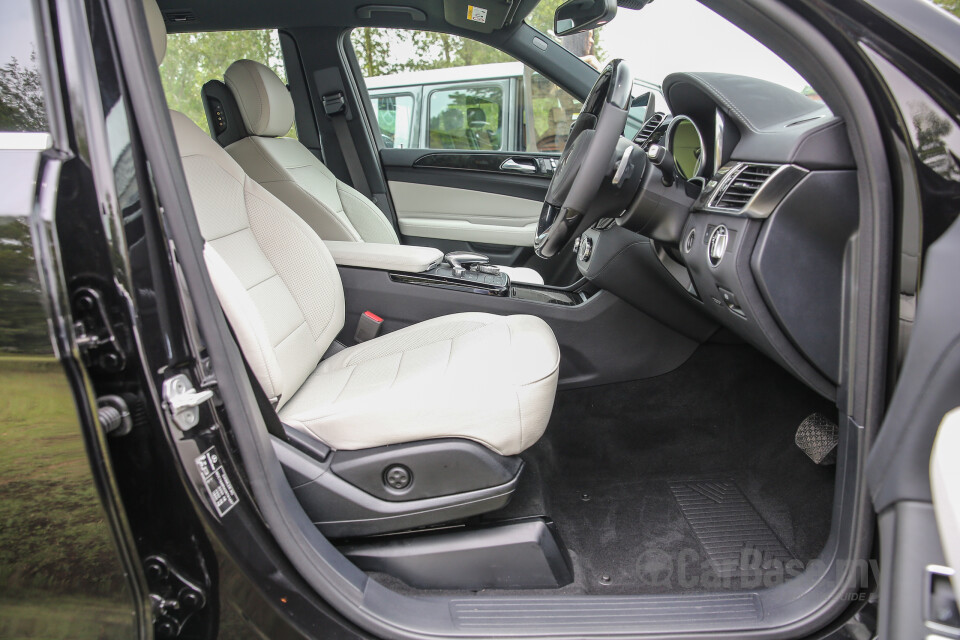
<point x="602" y="338"/>
<point x="490" y="284"/>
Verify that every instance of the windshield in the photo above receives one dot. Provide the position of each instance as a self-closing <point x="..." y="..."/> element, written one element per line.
<point x="670" y="36"/>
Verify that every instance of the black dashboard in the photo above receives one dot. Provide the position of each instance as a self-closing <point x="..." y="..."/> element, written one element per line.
<point x="769" y="189"/>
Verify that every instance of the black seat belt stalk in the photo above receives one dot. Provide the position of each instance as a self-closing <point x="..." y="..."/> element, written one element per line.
<point x="335" y="106"/>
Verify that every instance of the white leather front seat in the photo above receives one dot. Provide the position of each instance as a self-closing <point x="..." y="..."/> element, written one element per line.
<point x="488" y="378"/>
<point x="291" y="172"/>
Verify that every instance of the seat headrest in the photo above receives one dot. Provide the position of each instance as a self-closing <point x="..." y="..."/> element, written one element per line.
<point x="158" y="31"/>
<point x="265" y="104"/>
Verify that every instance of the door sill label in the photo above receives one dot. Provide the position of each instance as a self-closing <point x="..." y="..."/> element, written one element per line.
<point x="215" y="479"/>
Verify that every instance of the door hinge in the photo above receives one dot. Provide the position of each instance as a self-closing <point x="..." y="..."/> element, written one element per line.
<point x="182" y="401"/>
<point x="173" y="597"/>
<point x="93" y="332"/>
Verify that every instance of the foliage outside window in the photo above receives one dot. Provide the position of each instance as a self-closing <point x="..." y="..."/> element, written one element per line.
<point x="21" y="91"/>
<point x="194" y="58"/>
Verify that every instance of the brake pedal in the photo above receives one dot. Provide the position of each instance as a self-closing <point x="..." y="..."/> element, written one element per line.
<point x="817" y="437"/>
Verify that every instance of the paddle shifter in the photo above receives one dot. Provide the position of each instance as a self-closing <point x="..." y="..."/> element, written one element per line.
<point x="460" y="261"/>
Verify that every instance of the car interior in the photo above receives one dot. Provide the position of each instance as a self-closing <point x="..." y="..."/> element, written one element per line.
<point x="637" y="407"/>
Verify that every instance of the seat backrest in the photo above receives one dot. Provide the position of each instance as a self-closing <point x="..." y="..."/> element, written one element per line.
<point x="289" y="170"/>
<point x="276" y="280"/>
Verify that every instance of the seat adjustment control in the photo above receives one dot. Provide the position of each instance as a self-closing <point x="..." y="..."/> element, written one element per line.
<point x="397" y="477"/>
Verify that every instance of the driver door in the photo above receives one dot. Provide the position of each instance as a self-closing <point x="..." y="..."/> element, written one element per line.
<point x="468" y="150"/>
<point x="913" y="466"/>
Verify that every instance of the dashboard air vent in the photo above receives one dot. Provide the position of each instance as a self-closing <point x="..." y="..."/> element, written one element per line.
<point x="740" y="188"/>
<point x="648" y="128"/>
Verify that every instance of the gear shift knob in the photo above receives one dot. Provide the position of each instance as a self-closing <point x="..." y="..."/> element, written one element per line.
<point x="463" y="259"/>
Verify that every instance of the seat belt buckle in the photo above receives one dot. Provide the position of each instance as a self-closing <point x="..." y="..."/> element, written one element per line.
<point x="334" y="103"/>
<point x="368" y="326"/>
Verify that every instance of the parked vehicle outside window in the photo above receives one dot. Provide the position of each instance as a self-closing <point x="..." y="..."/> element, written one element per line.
<point x="437" y="91"/>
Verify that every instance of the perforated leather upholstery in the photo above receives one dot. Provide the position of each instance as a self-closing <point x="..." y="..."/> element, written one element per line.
<point x="286" y="168"/>
<point x="488" y="378"/>
<point x="473" y="375"/>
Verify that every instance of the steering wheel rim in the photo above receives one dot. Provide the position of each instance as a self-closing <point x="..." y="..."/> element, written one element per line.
<point x="585" y="159"/>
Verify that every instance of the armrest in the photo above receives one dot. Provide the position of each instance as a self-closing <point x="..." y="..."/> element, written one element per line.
<point x="388" y="257"/>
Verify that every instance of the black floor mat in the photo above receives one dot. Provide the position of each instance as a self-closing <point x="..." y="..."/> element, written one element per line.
<point x="608" y="465"/>
<point x="731" y="532"/>
<point x="618" y="464"/>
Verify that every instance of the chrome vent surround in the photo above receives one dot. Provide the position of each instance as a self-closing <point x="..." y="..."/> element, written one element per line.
<point x="741" y="185"/>
<point x="648" y="128"/>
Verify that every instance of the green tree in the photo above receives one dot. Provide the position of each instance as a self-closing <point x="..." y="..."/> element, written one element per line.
<point x="23" y="323"/>
<point x="373" y="47"/>
<point x="541" y="18"/>
<point x="21" y="97"/>
<point x="194" y="58"/>
<point x="953" y="6"/>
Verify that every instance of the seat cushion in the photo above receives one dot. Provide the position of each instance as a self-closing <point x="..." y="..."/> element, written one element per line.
<point x="479" y="376"/>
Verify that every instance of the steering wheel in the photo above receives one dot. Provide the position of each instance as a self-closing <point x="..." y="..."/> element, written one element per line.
<point x="586" y="158"/>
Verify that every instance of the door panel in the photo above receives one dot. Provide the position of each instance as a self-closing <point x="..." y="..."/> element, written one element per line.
<point x="451" y="213"/>
<point x="468" y="197"/>
<point x="945" y="485"/>
<point x="899" y="468"/>
<point x="60" y="575"/>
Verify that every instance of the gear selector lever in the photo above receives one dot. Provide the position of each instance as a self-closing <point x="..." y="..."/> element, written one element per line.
<point x="460" y="261"/>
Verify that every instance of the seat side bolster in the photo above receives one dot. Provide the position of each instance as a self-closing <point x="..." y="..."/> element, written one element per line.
<point x="247" y="323"/>
<point x="365" y="216"/>
<point x="302" y="261"/>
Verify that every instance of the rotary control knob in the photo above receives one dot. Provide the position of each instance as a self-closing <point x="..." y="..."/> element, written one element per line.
<point x="717" y="245"/>
<point x="585" y="250"/>
<point x="397" y="477"/>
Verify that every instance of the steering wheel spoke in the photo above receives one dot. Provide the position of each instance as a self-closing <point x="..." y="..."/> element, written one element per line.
<point x="586" y="160"/>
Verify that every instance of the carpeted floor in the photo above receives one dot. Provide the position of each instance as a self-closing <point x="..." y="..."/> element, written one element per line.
<point x="603" y="471"/>
<point x="658" y="485"/>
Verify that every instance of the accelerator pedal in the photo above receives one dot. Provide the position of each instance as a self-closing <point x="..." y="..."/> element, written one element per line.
<point x="818" y="436"/>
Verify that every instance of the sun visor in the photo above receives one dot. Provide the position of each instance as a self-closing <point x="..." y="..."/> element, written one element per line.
<point x="484" y="16"/>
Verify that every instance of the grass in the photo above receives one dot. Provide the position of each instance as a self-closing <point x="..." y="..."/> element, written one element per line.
<point x="59" y="571"/>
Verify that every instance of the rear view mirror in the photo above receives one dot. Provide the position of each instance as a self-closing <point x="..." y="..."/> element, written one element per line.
<point x="576" y="16"/>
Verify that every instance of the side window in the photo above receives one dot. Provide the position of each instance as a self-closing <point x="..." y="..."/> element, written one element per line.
<point x="194" y="58"/>
<point x="21" y="94"/>
<point x="395" y="117"/>
<point x="466" y="117"/>
<point x="552" y="112"/>
<point x="459" y="94"/>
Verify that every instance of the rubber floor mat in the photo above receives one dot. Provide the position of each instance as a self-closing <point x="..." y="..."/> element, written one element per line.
<point x="732" y="533"/>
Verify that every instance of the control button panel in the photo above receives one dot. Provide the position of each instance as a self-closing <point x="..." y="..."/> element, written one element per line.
<point x="729" y="299"/>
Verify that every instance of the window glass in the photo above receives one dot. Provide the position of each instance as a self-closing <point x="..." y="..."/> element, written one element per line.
<point x="395" y="118"/>
<point x="552" y="112"/>
<point x="194" y="58"/>
<point x="462" y="94"/>
<point x="21" y="92"/>
<point x="701" y="31"/>
<point x="466" y="117"/>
